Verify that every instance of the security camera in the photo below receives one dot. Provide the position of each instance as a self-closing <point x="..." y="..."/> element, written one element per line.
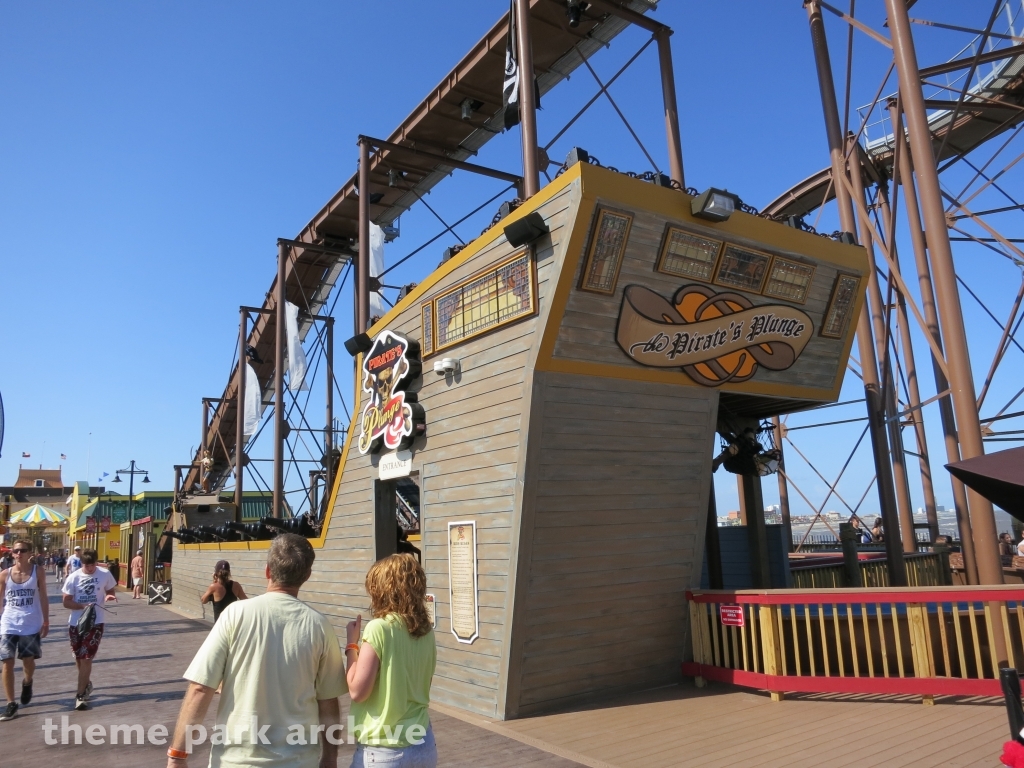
<point x="446" y="366"/>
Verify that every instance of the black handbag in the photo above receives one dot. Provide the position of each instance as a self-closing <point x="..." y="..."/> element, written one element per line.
<point x="87" y="620"/>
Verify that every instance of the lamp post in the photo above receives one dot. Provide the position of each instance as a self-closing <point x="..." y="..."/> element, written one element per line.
<point x="132" y="471"/>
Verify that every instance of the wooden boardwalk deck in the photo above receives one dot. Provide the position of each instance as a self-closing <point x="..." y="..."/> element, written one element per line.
<point x="145" y="650"/>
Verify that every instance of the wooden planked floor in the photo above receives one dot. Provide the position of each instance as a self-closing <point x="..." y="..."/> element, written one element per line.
<point x="724" y="726"/>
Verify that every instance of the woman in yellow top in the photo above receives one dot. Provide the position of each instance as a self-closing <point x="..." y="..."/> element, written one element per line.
<point x="390" y="666"/>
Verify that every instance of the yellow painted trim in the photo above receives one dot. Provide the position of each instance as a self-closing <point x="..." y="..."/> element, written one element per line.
<point x="319" y="541"/>
<point x="644" y="373"/>
<point x="471" y="250"/>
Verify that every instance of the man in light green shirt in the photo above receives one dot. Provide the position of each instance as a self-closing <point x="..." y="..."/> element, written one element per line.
<point x="282" y="672"/>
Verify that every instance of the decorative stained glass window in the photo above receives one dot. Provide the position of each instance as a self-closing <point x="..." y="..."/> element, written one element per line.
<point x="607" y="246"/>
<point x="840" y="306"/>
<point x="484" y="301"/>
<point x="743" y="269"/>
<point x="688" y="255"/>
<point x="788" y="280"/>
<point x="427" y="345"/>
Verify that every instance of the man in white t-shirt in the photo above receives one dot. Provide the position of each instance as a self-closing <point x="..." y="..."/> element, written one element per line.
<point x="74" y="562"/>
<point x="82" y="588"/>
<point x="282" y="672"/>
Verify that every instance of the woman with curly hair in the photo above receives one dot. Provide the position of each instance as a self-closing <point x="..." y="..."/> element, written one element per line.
<point x="390" y="666"/>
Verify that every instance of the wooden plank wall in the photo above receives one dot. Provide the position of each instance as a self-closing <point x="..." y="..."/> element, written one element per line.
<point x="467" y="465"/>
<point x="588" y="329"/>
<point x="613" y="531"/>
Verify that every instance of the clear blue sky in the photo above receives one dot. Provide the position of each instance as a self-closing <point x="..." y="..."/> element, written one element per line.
<point x="153" y="152"/>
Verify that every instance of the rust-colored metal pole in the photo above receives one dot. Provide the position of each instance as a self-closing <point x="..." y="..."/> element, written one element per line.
<point x="527" y="99"/>
<point x="931" y="316"/>
<point x="913" y="390"/>
<point x="901" y="486"/>
<point x="668" y="95"/>
<point x="243" y="332"/>
<point x="362" y="284"/>
<point x="329" y="432"/>
<point x="279" y="356"/>
<point x="965" y="407"/>
<point x="869" y="363"/>
<point x="203" y="446"/>
<point x="783" y="486"/>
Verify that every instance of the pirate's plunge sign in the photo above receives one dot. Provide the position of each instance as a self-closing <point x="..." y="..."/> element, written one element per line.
<point x="391" y="418"/>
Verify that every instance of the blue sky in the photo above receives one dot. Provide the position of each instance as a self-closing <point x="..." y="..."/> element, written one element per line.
<point x="154" y="152"/>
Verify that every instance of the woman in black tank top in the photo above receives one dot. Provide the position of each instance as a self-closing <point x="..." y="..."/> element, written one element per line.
<point x="223" y="591"/>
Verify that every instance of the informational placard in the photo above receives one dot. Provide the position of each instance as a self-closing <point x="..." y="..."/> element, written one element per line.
<point x="462" y="581"/>
<point x="731" y="615"/>
<point x="429" y="601"/>
<point x="394" y="465"/>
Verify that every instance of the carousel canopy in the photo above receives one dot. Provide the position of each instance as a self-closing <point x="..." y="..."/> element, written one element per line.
<point x="37" y="514"/>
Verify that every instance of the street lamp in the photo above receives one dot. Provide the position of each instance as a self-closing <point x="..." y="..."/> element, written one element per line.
<point x="132" y="471"/>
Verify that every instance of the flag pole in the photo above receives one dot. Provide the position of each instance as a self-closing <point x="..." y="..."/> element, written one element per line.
<point x="527" y="99"/>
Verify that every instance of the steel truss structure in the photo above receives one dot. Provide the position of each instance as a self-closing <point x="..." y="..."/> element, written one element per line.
<point x="886" y="174"/>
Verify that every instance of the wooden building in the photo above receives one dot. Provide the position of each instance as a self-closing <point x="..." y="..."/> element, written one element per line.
<point x="570" y="392"/>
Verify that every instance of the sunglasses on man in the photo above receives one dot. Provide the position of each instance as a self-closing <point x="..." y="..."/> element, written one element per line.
<point x="20" y="551"/>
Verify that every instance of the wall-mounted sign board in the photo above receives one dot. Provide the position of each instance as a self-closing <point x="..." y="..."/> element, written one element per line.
<point x="462" y="580"/>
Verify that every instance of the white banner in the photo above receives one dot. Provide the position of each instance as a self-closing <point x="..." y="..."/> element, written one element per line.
<point x="253" y="402"/>
<point x="296" y="355"/>
<point x="377" y="306"/>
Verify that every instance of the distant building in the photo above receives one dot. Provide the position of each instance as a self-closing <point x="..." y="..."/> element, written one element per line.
<point x="36" y="486"/>
<point x="833" y="516"/>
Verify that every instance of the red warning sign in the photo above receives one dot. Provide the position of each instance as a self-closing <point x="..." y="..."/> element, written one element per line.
<point x="731" y="615"/>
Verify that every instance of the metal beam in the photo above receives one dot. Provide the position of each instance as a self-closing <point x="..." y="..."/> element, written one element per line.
<point x="953" y="66"/>
<point x="442" y="160"/>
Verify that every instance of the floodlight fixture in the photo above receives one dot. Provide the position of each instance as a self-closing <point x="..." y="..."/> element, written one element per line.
<point x="714" y="204"/>
<point x="574" y="10"/>
<point x="358" y="343"/>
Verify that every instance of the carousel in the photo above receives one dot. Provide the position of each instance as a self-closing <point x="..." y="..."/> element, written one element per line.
<point x="46" y="528"/>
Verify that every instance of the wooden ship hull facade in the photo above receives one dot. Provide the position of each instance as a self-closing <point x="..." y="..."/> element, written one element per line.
<point x="579" y="448"/>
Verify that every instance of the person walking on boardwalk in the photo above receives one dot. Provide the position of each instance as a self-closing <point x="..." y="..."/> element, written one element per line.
<point x="74" y="562"/>
<point x="82" y="589"/>
<point x="25" y="620"/>
<point x="223" y="591"/>
<point x="390" y="666"/>
<point x="282" y="672"/>
<point x="137" y="565"/>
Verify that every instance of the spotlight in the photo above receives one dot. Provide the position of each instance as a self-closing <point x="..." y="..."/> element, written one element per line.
<point x="847" y="238"/>
<point x="525" y="230"/>
<point x="467" y="108"/>
<point x="252" y="354"/>
<point x="405" y="290"/>
<point x="450" y="251"/>
<point x="576" y="155"/>
<point x="359" y="343"/>
<point x="394" y="177"/>
<point x="574" y="10"/>
<point x="714" y="204"/>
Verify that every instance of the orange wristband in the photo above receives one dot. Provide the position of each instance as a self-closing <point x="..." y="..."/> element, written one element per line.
<point x="177" y="754"/>
<point x="352" y="647"/>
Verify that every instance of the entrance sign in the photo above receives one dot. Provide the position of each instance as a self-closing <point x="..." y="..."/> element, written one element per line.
<point x="714" y="337"/>
<point x="731" y="615"/>
<point x="462" y="581"/>
<point x="395" y="465"/>
<point x="391" y="416"/>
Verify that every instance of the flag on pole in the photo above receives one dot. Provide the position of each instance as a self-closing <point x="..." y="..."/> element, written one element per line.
<point x="510" y="88"/>
<point x="64" y="456"/>
<point x="377" y="308"/>
<point x="26" y="455"/>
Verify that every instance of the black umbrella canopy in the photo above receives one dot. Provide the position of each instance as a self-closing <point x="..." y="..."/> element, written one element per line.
<point x="999" y="477"/>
